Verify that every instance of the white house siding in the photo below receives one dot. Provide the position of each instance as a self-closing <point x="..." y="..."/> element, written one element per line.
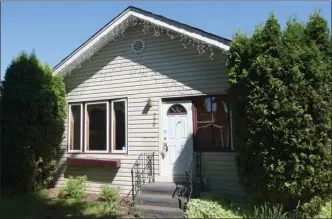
<point x="164" y="69"/>
<point x="221" y="174"/>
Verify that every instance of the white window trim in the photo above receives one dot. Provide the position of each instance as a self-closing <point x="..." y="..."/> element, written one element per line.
<point x="69" y="128"/>
<point x="107" y="128"/>
<point x="126" y="127"/>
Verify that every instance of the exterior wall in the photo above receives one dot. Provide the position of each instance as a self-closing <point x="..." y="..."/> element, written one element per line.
<point x="164" y="69"/>
<point x="220" y="172"/>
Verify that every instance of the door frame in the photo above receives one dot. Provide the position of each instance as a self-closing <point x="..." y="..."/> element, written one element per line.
<point x="161" y="177"/>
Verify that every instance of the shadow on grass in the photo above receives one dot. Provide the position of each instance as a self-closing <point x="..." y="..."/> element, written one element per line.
<point x="36" y="206"/>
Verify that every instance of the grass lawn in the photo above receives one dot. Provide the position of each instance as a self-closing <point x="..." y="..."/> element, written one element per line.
<point x="38" y="206"/>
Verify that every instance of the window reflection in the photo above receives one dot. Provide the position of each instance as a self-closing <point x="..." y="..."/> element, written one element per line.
<point x="212" y="130"/>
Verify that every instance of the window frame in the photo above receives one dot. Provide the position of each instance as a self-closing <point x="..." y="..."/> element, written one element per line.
<point x="107" y="127"/>
<point x="229" y="148"/>
<point x="69" y="128"/>
<point x="109" y="122"/>
<point x="126" y="127"/>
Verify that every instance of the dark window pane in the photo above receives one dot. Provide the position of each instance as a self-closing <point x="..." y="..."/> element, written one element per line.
<point x="203" y="106"/>
<point x="75" y="127"/>
<point x="176" y="109"/>
<point x="204" y="136"/>
<point x="96" y="127"/>
<point x="212" y="123"/>
<point x="119" y="126"/>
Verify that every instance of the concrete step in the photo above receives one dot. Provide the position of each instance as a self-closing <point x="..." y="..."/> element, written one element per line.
<point x="159" y="200"/>
<point x="149" y="211"/>
<point x="163" y="188"/>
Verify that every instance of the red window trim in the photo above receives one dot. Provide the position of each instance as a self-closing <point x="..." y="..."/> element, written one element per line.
<point x="113" y="163"/>
<point x="195" y="122"/>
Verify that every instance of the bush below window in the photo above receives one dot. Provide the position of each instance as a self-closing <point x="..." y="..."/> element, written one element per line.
<point x="109" y="194"/>
<point x="74" y="188"/>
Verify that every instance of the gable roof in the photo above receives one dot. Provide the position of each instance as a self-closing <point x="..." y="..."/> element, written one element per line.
<point x="95" y="42"/>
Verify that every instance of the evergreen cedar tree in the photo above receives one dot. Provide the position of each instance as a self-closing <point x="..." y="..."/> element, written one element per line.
<point x="280" y="92"/>
<point x="33" y="121"/>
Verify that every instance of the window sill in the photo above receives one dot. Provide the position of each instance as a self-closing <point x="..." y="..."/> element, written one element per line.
<point x="119" y="152"/>
<point x="94" y="162"/>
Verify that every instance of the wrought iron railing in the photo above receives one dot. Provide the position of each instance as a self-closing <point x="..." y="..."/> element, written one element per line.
<point x="186" y="190"/>
<point x="190" y="176"/>
<point x="142" y="172"/>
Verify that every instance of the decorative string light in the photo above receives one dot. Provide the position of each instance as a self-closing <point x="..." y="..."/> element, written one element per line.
<point x="123" y="29"/>
<point x="147" y="26"/>
<point x="212" y="54"/>
<point x="184" y="43"/>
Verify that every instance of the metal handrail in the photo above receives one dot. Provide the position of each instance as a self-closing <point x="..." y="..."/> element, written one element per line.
<point x="142" y="171"/>
<point x="189" y="176"/>
<point x="186" y="190"/>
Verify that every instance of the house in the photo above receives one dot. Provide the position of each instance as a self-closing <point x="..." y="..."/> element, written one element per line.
<point x="147" y="102"/>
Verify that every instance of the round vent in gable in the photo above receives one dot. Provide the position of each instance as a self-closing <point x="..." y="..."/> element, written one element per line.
<point x="138" y="46"/>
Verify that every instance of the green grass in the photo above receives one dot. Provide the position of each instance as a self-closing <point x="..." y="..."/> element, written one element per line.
<point x="38" y="206"/>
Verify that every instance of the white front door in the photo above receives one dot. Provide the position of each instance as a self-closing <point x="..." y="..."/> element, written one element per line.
<point x="177" y="136"/>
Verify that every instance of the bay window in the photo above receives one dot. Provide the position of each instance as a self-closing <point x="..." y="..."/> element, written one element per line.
<point x="98" y="127"/>
<point x="212" y="123"/>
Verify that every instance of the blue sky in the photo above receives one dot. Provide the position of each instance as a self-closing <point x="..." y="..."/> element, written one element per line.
<point x="55" y="29"/>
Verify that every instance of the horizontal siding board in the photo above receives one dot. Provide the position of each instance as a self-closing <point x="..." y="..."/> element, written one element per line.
<point x="161" y="92"/>
<point x="221" y="172"/>
<point x="140" y="144"/>
<point x="142" y="72"/>
<point x="144" y="89"/>
<point x="127" y="64"/>
<point x="146" y="74"/>
<point x="142" y="135"/>
<point x="148" y="56"/>
<point x="143" y="139"/>
<point x="142" y="126"/>
<point x="164" y="69"/>
<point x="148" y="84"/>
<point x="145" y="119"/>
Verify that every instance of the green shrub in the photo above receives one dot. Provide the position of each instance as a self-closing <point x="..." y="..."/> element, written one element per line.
<point x="104" y="210"/>
<point x="33" y="116"/>
<point x="280" y="95"/>
<point x="209" y="206"/>
<point x="268" y="212"/>
<point x="74" y="188"/>
<point x="325" y="211"/>
<point x="109" y="194"/>
<point x="225" y="207"/>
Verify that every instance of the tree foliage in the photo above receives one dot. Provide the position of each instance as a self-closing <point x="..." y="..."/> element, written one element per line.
<point x="281" y="94"/>
<point x="34" y="112"/>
